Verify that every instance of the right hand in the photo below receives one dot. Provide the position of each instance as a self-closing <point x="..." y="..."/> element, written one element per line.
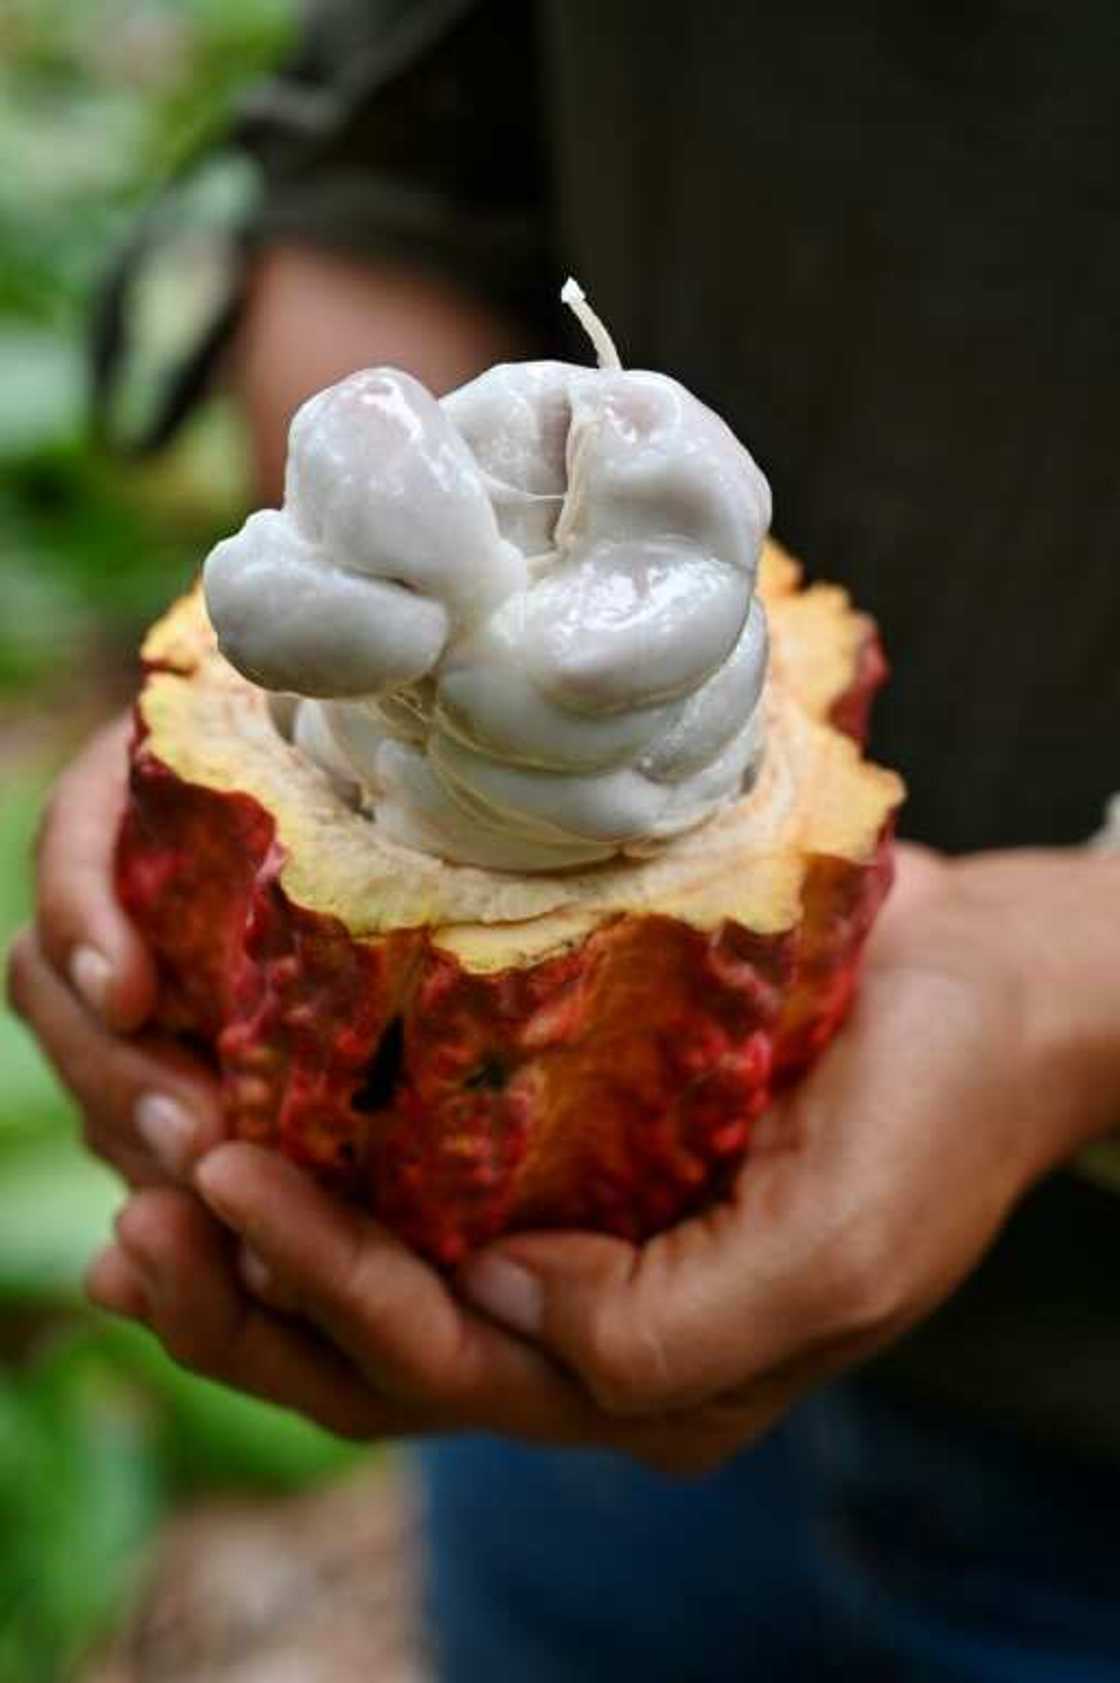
<point x="82" y="979"/>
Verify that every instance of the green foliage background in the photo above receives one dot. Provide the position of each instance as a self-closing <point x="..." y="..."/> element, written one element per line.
<point x="99" y="1433"/>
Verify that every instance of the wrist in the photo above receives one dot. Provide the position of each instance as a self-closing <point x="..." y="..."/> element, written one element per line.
<point x="1054" y="916"/>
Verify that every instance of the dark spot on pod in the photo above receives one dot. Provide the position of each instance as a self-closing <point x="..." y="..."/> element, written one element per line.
<point x="201" y="1049"/>
<point x="383" y="1071"/>
<point x="490" y="1077"/>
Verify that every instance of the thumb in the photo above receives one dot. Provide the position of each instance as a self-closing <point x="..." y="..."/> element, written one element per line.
<point x="713" y="1304"/>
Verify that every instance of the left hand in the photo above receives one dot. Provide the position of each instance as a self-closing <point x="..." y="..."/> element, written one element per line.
<point x="870" y="1192"/>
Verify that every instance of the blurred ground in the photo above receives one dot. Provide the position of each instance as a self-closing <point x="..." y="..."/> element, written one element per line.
<point x="318" y="1589"/>
<point x="104" y="1443"/>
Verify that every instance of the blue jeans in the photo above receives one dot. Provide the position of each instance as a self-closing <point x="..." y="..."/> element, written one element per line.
<point x="863" y="1540"/>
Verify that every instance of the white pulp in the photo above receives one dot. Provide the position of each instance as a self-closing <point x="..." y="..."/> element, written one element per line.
<point x="523" y="619"/>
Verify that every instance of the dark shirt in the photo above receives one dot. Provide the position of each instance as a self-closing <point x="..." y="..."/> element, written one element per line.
<point x="884" y="243"/>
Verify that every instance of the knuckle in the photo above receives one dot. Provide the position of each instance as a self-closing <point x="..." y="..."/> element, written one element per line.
<point x="103" y="1084"/>
<point x="109" y="1147"/>
<point x="357" y="1302"/>
<point x="623" y="1360"/>
<point x="20" y="962"/>
<point x="357" y="1289"/>
<point x="58" y="910"/>
<point x="864" y="1279"/>
<point x="197" y="1318"/>
<point x="422" y="1359"/>
<point x="439" y="1375"/>
<point x="50" y="913"/>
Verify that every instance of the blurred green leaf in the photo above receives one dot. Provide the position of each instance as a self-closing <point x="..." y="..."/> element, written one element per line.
<point x="43" y="381"/>
<point x="213" y="1436"/>
<point x="99" y="1430"/>
<point x="88" y="544"/>
<point x="23" y="795"/>
<point x="32" y="1103"/>
<point x="56" y="1211"/>
<point x="81" y="1487"/>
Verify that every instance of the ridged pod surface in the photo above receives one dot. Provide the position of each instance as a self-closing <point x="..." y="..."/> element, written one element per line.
<point x="467" y="1052"/>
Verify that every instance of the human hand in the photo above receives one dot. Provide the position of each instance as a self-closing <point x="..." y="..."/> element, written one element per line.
<point x="871" y="1190"/>
<point x="281" y="1291"/>
<point x="83" y="980"/>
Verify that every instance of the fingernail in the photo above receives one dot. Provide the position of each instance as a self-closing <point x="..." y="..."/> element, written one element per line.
<point x="255" y="1271"/>
<point x="90" y="976"/>
<point x="209" y="1184"/>
<point x="168" y="1129"/>
<point x="507" y="1292"/>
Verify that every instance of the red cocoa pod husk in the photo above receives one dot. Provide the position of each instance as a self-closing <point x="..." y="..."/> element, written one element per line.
<point x="470" y="1052"/>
